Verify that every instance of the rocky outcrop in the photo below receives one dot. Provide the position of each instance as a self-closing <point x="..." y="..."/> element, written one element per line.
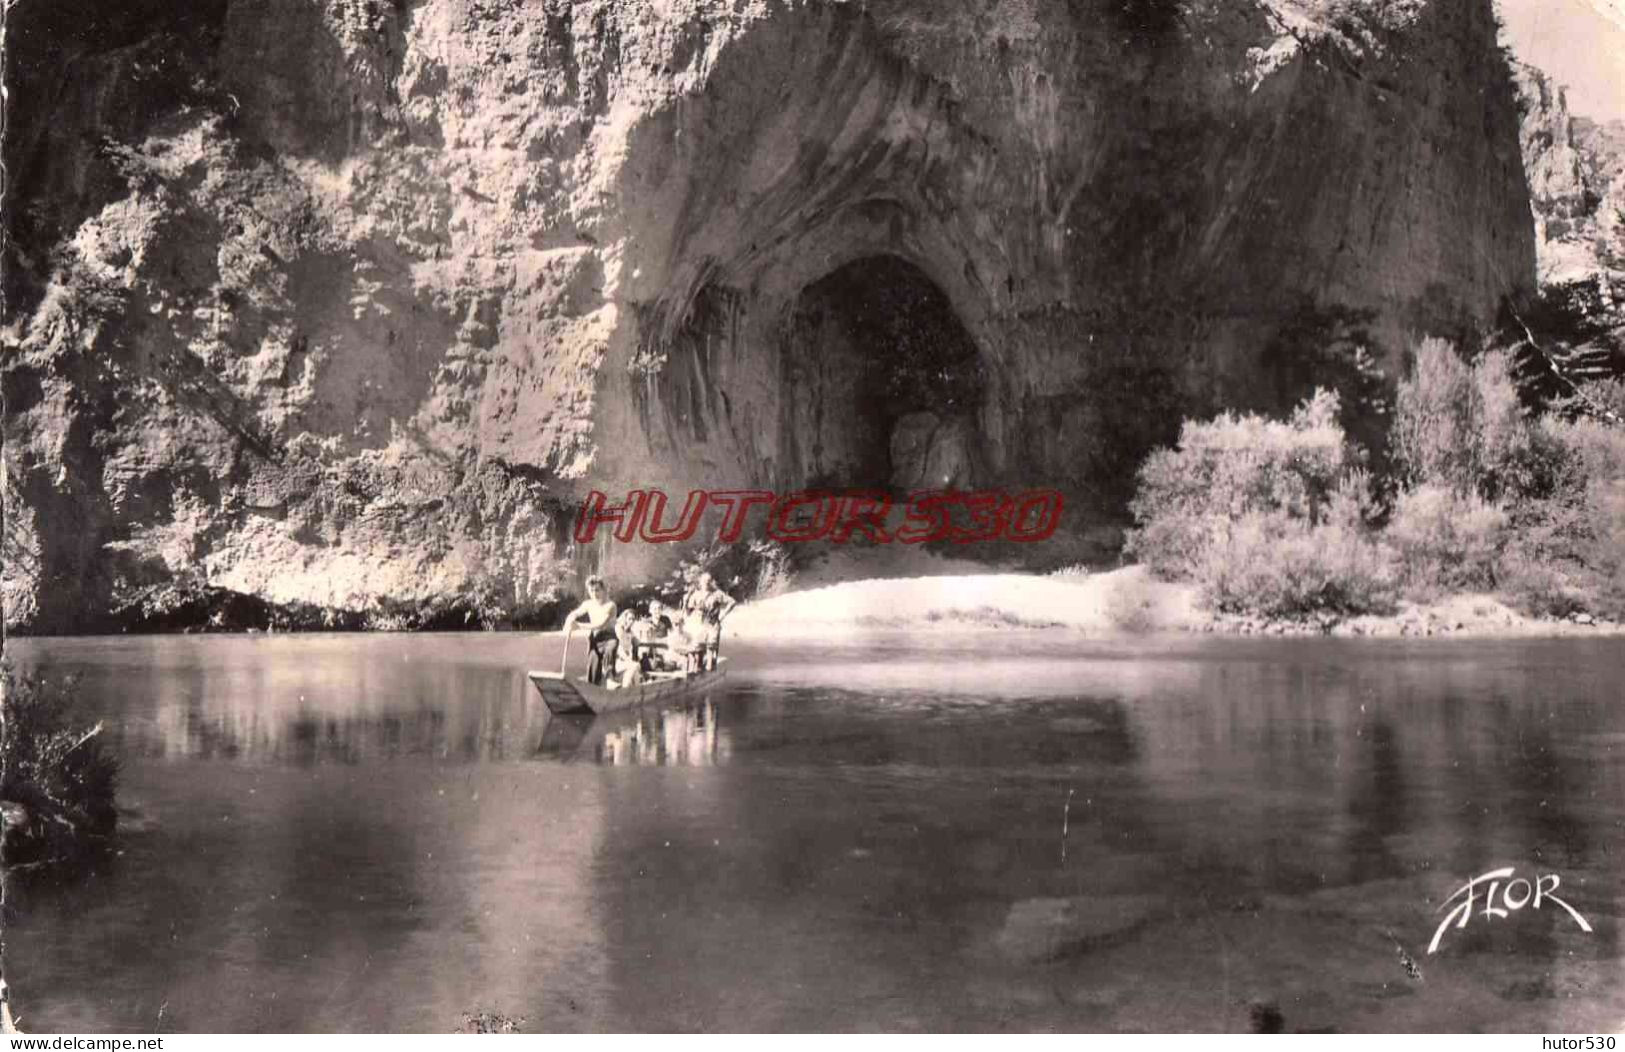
<point x="345" y="303"/>
<point x="1576" y="174"/>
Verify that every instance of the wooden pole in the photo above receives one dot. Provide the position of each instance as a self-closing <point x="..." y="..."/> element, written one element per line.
<point x="7" y="1024"/>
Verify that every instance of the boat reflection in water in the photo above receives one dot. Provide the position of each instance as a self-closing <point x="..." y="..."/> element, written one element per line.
<point x="678" y="737"/>
<point x="684" y="735"/>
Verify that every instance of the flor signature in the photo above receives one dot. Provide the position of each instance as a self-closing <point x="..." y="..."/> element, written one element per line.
<point x="1515" y="895"/>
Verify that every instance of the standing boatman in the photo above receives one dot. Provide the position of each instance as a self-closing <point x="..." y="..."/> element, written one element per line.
<point x="599" y="610"/>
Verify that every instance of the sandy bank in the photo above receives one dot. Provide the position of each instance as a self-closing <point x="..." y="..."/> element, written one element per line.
<point x="1093" y="602"/>
<point x="1126" y="600"/>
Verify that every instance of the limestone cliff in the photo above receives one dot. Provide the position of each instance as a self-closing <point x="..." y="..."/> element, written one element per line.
<point x="1576" y="173"/>
<point x="342" y="304"/>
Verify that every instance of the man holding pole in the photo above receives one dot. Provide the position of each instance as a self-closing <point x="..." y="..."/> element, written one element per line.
<point x="599" y="611"/>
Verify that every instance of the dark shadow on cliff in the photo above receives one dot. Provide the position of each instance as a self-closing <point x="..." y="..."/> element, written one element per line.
<point x="167" y="50"/>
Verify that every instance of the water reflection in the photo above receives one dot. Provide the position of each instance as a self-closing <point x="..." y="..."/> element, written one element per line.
<point x="351" y="716"/>
<point x="387" y="832"/>
<point x="686" y="736"/>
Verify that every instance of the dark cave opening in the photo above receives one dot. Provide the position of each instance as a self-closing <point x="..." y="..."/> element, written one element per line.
<point x="883" y="384"/>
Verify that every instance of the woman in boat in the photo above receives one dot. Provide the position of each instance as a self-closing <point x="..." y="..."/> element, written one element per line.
<point x="649" y="637"/>
<point x="640" y="637"/>
<point x="628" y="657"/>
<point x="599" y="610"/>
<point x="704" y="608"/>
<point x="683" y="636"/>
<point x="628" y="671"/>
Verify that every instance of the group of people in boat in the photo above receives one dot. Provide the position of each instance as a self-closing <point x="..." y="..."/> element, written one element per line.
<point x="626" y="646"/>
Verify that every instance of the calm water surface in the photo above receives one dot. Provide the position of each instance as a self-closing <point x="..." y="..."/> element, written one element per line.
<point x="383" y="832"/>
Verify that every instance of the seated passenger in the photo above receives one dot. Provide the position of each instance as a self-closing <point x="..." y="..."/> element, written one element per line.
<point x="631" y="675"/>
<point x="685" y="642"/>
<point x="626" y="633"/>
<point x="648" y="634"/>
<point x="649" y="628"/>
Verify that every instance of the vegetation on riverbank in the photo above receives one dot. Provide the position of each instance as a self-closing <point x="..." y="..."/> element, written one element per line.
<point x="1281" y="520"/>
<point x="1127" y="600"/>
<point x="57" y="776"/>
<point x="185" y="605"/>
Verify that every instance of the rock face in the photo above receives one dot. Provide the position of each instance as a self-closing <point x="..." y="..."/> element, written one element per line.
<point x="1576" y="174"/>
<point x="345" y="303"/>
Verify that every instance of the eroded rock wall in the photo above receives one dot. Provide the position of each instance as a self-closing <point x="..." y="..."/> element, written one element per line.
<point x="1576" y="173"/>
<point x="345" y="303"/>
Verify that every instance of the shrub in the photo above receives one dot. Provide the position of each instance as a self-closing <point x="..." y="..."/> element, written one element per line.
<point x="1498" y="499"/>
<point x="1442" y="539"/>
<point x="1603" y="551"/>
<point x="1265" y="516"/>
<point x="1513" y="462"/>
<point x="1568" y="545"/>
<point x="1274" y="518"/>
<point x="1231" y="467"/>
<point x="1278" y="566"/>
<point x="1604" y="399"/>
<point x="1129" y="607"/>
<point x="1462" y="427"/>
<point x="61" y="772"/>
<point x="1533" y="585"/>
<point x="1568" y="341"/>
<point x="1433" y="419"/>
<point x="1595" y="450"/>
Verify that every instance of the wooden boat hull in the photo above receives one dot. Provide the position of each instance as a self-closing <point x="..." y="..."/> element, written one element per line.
<point x="574" y="696"/>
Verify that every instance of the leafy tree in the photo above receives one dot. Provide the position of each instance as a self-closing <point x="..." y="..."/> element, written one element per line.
<point x="62" y="773"/>
<point x="1571" y="336"/>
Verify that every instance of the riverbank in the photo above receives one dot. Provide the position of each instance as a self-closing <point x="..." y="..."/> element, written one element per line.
<point x="941" y="596"/>
<point x="1126" y="600"/>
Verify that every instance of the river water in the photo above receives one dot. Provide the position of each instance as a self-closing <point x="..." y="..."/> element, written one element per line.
<point x="1025" y="832"/>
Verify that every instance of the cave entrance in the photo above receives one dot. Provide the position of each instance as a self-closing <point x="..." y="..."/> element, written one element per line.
<point x="883" y="384"/>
